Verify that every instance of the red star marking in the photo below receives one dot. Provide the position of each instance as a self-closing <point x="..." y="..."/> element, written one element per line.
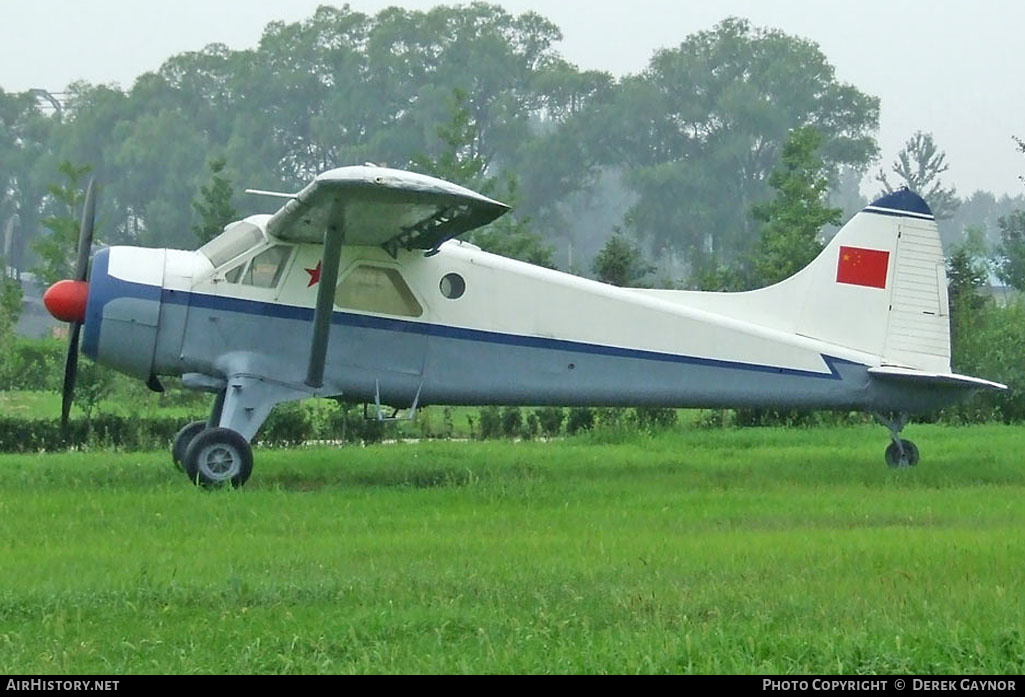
<point x="314" y="275"/>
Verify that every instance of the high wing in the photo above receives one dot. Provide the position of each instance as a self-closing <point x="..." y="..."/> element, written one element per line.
<point x="373" y="206"/>
<point x="369" y="205"/>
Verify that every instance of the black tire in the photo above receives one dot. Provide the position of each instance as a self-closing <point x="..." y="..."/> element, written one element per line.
<point x="893" y="458"/>
<point x="218" y="456"/>
<point x="182" y="441"/>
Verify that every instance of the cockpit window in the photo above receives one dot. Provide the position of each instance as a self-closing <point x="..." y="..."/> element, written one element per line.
<point x="377" y="289"/>
<point x="266" y="267"/>
<point x="236" y="239"/>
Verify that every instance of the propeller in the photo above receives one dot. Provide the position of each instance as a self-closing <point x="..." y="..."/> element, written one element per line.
<point x="66" y="300"/>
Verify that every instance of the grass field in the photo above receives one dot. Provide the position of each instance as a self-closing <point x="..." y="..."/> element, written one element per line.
<point x="733" y="551"/>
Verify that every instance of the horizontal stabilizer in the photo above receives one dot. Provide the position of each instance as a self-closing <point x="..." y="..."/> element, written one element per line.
<point x="940" y="379"/>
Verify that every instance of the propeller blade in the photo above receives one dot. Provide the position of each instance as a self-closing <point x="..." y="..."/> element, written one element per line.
<point x="85" y="234"/>
<point x="85" y="244"/>
<point x="70" y="373"/>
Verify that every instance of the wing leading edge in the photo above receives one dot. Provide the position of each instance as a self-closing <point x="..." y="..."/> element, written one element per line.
<point x="380" y="206"/>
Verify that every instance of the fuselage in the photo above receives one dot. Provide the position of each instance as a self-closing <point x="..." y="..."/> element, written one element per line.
<point x="460" y="326"/>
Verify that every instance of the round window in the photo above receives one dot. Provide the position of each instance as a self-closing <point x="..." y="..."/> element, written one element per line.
<point x="452" y="286"/>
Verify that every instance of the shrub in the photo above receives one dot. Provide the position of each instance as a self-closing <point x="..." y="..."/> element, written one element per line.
<point x="288" y="424"/>
<point x="550" y="420"/>
<point x="33" y="364"/>
<point x="490" y="423"/>
<point x="531" y="426"/>
<point x="579" y="419"/>
<point x="654" y="418"/>
<point x="512" y="422"/>
<point x="992" y="346"/>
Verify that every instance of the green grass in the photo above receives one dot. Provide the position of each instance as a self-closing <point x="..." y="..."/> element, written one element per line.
<point x="766" y="551"/>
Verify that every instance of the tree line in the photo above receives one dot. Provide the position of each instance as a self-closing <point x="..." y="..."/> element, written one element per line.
<point x="689" y="143"/>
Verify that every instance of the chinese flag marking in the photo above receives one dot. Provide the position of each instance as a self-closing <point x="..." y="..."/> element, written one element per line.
<point x="863" y="267"/>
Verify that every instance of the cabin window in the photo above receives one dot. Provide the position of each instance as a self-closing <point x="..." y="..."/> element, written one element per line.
<point x="235" y="274"/>
<point x="452" y="286"/>
<point x="266" y="267"/>
<point x="237" y="238"/>
<point x="377" y="289"/>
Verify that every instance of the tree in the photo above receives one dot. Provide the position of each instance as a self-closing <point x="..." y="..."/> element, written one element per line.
<point x="10" y="292"/>
<point x="994" y="347"/>
<point x="1010" y="266"/>
<point x="58" y="251"/>
<point x="919" y="166"/>
<point x="27" y="145"/>
<point x="620" y="262"/>
<point x="700" y="130"/>
<point x="214" y="205"/>
<point x="688" y="144"/>
<point x="789" y="239"/>
<point x="1011" y="253"/>
<point x="1021" y="148"/>
<point x="967" y="275"/>
<point x="160" y="158"/>
<point x="459" y="160"/>
<point x="10" y="309"/>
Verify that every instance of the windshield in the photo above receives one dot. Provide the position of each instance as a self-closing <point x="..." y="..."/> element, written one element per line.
<point x="236" y="239"/>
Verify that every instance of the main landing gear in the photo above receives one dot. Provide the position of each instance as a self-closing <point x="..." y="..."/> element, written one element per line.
<point x="900" y="452"/>
<point x="212" y="456"/>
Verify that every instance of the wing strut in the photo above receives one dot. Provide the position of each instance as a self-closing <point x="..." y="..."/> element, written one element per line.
<point x="333" y="238"/>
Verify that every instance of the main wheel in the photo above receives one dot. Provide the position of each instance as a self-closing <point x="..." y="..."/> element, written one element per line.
<point x="894" y="459"/>
<point x="218" y="456"/>
<point x="182" y="441"/>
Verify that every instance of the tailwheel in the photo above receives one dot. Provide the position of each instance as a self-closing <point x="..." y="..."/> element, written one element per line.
<point x="901" y="453"/>
<point x="182" y="441"/>
<point x="218" y="456"/>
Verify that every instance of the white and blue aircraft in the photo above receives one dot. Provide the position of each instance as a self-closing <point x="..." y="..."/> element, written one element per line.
<point x="358" y="289"/>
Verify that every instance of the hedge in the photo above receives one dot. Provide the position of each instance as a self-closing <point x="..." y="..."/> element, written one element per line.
<point x="288" y="425"/>
<point x="20" y="435"/>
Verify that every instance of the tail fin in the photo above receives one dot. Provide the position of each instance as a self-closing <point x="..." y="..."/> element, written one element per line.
<point x="879" y="287"/>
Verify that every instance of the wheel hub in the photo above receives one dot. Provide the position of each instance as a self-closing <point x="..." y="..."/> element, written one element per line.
<point x="220" y="462"/>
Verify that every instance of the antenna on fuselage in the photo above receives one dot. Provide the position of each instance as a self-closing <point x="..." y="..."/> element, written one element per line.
<point x="272" y="194"/>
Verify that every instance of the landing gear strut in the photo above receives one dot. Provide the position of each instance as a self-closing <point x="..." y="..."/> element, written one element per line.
<point x="900" y="452"/>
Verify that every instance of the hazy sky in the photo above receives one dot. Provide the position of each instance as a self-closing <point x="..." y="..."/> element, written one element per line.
<point x="954" y="68"/>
